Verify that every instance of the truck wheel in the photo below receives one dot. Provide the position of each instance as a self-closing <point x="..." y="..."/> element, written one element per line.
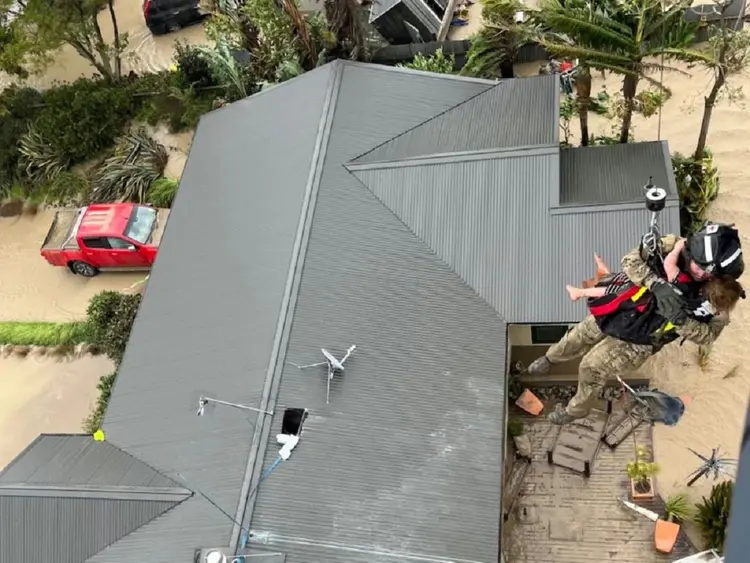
<point x="83" y="269"/>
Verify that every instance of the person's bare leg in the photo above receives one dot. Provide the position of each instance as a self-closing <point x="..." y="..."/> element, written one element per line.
<point x="577" y="293"/>
<point x="601" y="266"/>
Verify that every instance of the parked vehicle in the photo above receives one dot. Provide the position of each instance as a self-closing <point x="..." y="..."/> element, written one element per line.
<point x="103" y="237"/>
<point x="166" y="16"/>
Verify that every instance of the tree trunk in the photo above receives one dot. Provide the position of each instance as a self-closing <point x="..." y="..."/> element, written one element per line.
<point x="582" y="82"/>
<point x="506" y="65"/>
<point x="629" y="87"/>
<point x="708" y="108"/>
<point x="118" y="46"/>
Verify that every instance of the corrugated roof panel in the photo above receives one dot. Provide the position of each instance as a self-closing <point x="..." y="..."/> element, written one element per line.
<point x="380" y="7"/>
<point x="424" y="13"/>
<point x="406" y="458"/>
<point x="486" y="219"/>
<point x="79" y="460"/>
<point x="569" y="259"/>
<point x="512" y="113"/>
<point x="613" y="173"/>
<point x="65" y="530"/>
<point x="399" y="460"/>
<point x="210" y="312"/>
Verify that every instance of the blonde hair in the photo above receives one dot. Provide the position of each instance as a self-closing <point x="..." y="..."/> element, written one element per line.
<point x="724" y="292"/>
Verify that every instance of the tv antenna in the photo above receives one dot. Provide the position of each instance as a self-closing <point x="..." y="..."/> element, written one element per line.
<point x="713" y="466"/>
<point x="204" y="401"/>
<point x="334" y="366"/>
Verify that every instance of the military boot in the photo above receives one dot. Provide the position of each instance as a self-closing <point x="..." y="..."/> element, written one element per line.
<point x="540" y="366"/>
<point x="560" y="416"/>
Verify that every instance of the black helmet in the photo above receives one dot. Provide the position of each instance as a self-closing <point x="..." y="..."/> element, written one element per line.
<point x="717" y="249"/>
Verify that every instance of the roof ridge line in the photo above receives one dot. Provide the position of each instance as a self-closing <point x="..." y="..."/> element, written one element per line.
<point x="380" y="67"/>
<point x="467" y="100"/>
<point x="448" y="157"/>
<point x="291" y="291"/>
<point x="432" y="250"/>
<point x="102" y="492"/>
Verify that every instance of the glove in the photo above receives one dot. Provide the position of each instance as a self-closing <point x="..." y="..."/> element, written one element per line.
<point x="669" y="302"/>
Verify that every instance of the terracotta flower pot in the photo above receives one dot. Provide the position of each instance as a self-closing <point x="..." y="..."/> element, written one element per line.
<point x="638" y="494"/>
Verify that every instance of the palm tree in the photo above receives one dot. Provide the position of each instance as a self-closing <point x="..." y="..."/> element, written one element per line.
<point x="494" y="48"/>
<point x="554" y="15"/>
<point x="623" y="37"/>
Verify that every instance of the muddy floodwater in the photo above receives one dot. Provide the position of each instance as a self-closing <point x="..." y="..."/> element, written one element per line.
<point x="41" y="395"/>
<point x="145" y="52"/>
<point x="32" y="290"/>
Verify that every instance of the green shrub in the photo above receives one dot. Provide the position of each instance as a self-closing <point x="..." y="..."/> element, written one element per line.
<point x="137" y="161"/>
<point x="67" y="188"/>
<point x="193" y="69"/>
<point x="434" y="63"/>
<point x="110" y="316"/>
<point x="93" y="421"/>
<point x="697" y="186"/>
<point x="18" y="108"/>
<point x="43" y="334"/>
<point x="40" y="161"/>
<point x="81" y="119"/>
<point x="515" y="427"/>
<point x="162" y="192"/>
<point x="713" y="515"/>
<point x="677" y="508"/>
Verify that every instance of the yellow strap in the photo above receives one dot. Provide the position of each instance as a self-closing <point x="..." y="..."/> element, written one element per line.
<point x="638" y="295"/>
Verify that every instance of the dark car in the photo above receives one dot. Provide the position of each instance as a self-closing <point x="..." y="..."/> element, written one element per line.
<point x="165" y="16"/>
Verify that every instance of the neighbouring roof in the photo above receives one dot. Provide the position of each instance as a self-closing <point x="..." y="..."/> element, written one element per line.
<point x="411" y="214"/>
<point x="418" y="8"/>
<point x="67" y="497"/>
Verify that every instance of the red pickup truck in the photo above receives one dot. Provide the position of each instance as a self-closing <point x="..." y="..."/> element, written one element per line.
<point x="101" y="237"/>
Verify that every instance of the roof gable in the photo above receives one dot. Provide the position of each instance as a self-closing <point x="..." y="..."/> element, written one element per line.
<point x="510" y="114"/>
<point x="454" y="204"/>
<point x="76" y="460"/>
<point x="74" y="492"/>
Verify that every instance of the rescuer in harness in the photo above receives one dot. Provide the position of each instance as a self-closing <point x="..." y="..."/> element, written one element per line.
<point x="661" y="313"/>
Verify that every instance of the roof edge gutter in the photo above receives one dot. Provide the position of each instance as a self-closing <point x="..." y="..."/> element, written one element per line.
<point x="283" y="328"/>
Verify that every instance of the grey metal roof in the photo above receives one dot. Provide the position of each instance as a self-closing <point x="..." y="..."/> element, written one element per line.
<point x="380" y="7"/>
<point x="397" y="467"/>
<point x="68" y="530"/>
<point x="424" y="13"/>
<point x="494" y="118"/>
<point x="64" y="459"/>
<point x="608" y="174"/>
<point x="67" y="497"/>
<point x="279" y="243"/>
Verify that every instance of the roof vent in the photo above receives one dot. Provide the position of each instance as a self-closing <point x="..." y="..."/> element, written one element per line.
<point x="215" y="556"/>
<point x="246" y="555"/>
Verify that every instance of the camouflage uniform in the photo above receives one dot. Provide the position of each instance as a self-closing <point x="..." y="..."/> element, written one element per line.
<point x="605" y="357"/>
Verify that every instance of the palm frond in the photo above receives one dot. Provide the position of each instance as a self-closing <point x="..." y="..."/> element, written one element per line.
<point x="137" y="161"/>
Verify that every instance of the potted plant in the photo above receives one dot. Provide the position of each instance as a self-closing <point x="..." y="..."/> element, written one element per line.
<point x="641" y="472"/>
<point x="667" y="529"/>
<point x="678" y="509"/>
<point x="713" y="515"/>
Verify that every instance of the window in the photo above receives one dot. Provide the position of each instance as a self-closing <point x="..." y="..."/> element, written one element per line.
<point x="96" y="242"/>
<point x="118" y="243"/>
<point x="547" y="334"/>
<point x="141" y="224"/>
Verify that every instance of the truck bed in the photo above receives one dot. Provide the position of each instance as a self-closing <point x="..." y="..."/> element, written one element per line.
<point x="61" y="234"/>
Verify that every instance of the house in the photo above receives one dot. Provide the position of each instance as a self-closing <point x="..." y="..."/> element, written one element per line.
<point x="402" y="22"/>
<point x="427" y="219"/>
